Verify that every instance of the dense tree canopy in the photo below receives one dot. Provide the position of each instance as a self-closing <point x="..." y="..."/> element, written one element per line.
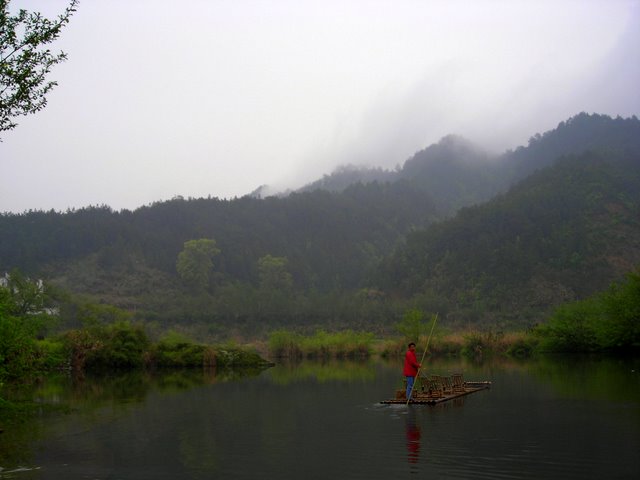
<point x="195" y="262"/>
<point x="560" y="235"/>
<point x="273" y="274"/>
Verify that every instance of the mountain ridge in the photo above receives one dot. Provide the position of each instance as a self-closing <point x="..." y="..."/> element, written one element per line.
<point x="357" y="255"/>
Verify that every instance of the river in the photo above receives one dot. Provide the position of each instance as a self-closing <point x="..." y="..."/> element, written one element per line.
<point x="552" y="418"/>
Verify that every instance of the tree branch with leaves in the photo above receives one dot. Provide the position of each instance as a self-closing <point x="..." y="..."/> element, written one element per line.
<point x="25" y="60"/>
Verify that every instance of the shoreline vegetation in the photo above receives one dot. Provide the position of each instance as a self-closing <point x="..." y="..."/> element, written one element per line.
<point x="285" y="344"/>
<point x="123" y="347"/>
<point x="607" y="324"/>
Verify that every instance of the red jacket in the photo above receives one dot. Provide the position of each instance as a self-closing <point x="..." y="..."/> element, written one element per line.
<point x="410" y="364"/>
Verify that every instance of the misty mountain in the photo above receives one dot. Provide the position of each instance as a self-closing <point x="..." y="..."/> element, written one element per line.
<point x="578" y="134"/>
<point x="456" y="173"/>
<point x="453" y="172"/>
<point x="370" y="242"/>
<point x="344" y="176"/>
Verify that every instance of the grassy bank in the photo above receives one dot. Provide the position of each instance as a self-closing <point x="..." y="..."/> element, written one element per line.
<point x="343" y="344"/>
<point x="349" y="344"/>
<point x="472" y="344"/>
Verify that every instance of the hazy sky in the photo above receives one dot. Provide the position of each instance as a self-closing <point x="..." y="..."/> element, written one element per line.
<point x="215" y="97"/>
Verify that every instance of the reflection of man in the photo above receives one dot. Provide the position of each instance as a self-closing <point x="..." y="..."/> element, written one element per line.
<point x="411" y="367"/>
<point x="413" y="439"/>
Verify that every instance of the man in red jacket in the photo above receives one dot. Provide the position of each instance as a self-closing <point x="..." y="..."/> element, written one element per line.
<point x="411" y="367"/>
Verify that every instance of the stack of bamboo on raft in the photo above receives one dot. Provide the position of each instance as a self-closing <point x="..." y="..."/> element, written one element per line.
<point x="434" y="389"/>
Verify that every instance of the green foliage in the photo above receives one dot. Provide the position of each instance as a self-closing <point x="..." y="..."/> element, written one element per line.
<point x="25" y="60"/>
<point x="18" y="351"/>
<point x="120" y="345"/>
<point x="79" y="345"/>
<point x="92" y="315"/>
<point x="393" y="347"/>
<point x="413" y="325"/>
<point x="572" y="328"/>
<point x="447" y="346"/>
<point x="620" y="329"/>
<point x="22" y="317"/>
<point x="477" y="344"/>
<point x="523" y="347"/>
<point x="195" y="262"/>
<point x="474" y="344"/>
<point x="274" y="296"/>
<point x="234" y="356"/>
<point x="127" y="346"/>
<point x="273" y="274"/>
<point x="283" y="343"/>
<point x="606" y="321"/>
<point x="347" y="343"/>
<point x="123" y="345"/>
<point x="176" y="350"/>
<point x="22" y="295"/>
<point x="53" y="354"/>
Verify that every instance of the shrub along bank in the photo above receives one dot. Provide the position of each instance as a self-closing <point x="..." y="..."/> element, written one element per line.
<point x="606" y="322"/>
<point x="124" y="345"/>
<point x="119" y="346"/>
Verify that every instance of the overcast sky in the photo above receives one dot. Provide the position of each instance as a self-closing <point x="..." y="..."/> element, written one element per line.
<point x="215" y="97"/>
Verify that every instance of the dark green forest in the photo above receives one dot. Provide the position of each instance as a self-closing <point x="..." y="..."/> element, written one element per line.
<point x="562" y="234"/>
<point x="487" y="241"/>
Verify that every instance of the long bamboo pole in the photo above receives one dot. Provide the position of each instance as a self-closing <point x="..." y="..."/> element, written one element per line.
<point x="422" y="360"/>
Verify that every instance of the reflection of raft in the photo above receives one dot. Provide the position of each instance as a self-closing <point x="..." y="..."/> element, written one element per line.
<point x="433" y="389"/>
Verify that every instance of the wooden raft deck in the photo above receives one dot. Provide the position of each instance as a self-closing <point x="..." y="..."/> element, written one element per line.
<point x="433" y="398"/>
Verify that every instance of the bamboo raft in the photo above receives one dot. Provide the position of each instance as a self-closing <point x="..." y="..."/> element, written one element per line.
<point x="436" y="389"/>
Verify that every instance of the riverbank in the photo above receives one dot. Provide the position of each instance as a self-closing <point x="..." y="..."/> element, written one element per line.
<point x="350" y="344"/>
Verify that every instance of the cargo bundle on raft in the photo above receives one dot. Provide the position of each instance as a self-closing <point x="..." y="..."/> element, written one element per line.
<point x="433" y="389"/>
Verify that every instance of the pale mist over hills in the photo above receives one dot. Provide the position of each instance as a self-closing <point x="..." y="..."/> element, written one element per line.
<point x="196" y="99"/>
<point x="456" y="172"/>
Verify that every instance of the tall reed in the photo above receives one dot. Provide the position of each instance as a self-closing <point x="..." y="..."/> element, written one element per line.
<point x="322" y="344"/>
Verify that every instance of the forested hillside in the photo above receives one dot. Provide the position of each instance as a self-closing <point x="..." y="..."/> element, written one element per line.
<point x="578" y="134"/>
<point x="561" y="234"/>
<point x="331" y="240"/>
<point x="350" y="251"/>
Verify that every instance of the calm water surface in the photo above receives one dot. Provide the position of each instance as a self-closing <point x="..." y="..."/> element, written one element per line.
<point x="553" y="418"/>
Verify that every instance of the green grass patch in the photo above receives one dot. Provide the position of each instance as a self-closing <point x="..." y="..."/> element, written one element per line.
<point x="322" y="344"/>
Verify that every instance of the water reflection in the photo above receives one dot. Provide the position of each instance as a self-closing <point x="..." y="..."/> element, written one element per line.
<point x="323" y="371"/>
<point x="84" y="398"/>
<point x="125" y="387"/>
<point x="590" y="377"/>
<point x="322" y="420"/>
<point x="413" y="439"/>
